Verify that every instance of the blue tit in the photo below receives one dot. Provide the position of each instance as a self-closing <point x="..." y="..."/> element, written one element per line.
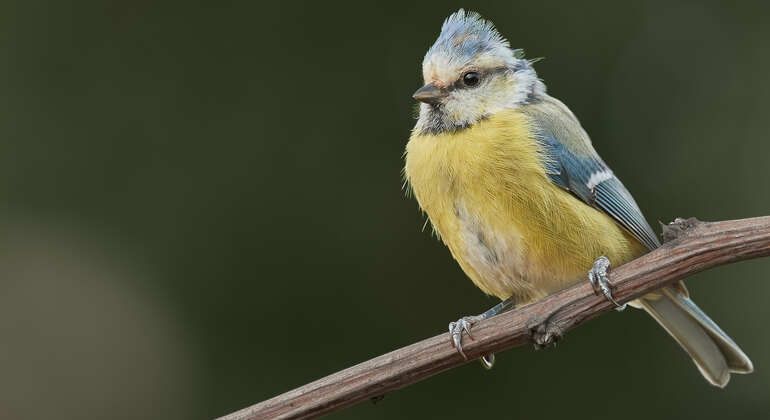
<point x="513" y="186"/>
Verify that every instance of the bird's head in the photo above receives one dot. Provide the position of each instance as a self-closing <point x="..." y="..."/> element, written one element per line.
<point x="470" y="73"/>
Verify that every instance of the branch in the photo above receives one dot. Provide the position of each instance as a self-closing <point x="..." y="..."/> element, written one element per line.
<point x="692" y="246"/>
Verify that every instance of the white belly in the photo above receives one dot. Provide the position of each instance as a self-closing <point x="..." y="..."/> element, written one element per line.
<point x="496" y="257"/>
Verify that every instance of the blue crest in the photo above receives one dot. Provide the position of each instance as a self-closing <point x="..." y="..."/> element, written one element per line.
<point x="464" y="35"/>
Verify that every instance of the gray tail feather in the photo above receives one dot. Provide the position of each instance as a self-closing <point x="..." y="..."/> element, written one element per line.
<point x="713" y="351"/>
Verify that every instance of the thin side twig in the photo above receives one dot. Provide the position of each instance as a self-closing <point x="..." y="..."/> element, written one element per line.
<point x="692" y="246"/>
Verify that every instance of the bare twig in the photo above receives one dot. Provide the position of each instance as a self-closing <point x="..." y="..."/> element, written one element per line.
<point x="692" y="246"/>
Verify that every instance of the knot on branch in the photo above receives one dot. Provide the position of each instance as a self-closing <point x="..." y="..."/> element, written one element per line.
<point x="679" y="228"/>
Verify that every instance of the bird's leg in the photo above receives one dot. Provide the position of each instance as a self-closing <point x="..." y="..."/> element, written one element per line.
<point x="464" y="324"/>
<point x="598" y="278"/>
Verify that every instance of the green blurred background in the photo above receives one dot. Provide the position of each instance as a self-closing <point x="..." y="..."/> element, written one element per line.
<point x="201" y="203"/>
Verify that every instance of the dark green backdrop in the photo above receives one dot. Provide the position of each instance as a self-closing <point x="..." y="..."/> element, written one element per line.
<point x="201" y="203"/>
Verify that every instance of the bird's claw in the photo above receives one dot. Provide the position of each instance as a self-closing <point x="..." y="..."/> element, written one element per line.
<point x="546" y="334"/>
<point x="597" y="276"/>
<point x="463" y="325"/>
<point x="456" y="330"/>
<point x="487" y="361"/>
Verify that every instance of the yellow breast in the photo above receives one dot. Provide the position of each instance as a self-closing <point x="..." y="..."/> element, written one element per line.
<point x="510" y="228"/>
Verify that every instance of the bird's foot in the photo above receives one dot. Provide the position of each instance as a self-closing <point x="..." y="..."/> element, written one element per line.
<point x="597" y="276"/>
<point x="463" y="325"/>
<point x="457" y="328"/>
<point x="546" y="334"/>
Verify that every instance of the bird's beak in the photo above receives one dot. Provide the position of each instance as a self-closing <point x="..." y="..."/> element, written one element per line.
<point x="430" y="94"/>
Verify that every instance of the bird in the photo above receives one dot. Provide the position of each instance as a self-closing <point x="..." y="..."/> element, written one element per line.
<point x="512" y="185"/>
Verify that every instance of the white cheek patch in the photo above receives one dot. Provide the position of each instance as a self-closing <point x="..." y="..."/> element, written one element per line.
<point x="464" y="107"/>
<point x="599" y="177"/>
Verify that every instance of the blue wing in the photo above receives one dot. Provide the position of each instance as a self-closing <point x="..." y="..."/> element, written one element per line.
<point x="573" y="164"/>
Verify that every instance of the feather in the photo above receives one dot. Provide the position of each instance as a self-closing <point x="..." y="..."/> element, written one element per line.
<point x="572" y="163"/>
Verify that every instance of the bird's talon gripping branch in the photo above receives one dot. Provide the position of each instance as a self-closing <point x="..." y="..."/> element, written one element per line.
<point x="456" y="330"/>
<point x="546" y="334"/>
<point x="598" y="278"/>
<point x="463" y="325"/>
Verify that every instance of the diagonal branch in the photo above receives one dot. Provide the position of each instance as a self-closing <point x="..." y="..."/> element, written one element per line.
<point x="692" y="246"/>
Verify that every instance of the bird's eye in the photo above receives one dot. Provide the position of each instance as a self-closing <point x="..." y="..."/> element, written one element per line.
<point x="471" y="79"/>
